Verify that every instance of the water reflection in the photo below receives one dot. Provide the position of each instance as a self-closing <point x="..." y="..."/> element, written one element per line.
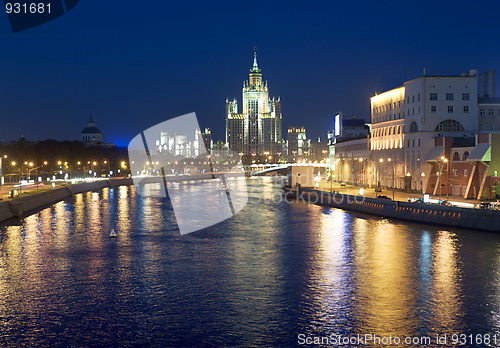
<point x="446" y="299"/>
<point x="385" y="278"/>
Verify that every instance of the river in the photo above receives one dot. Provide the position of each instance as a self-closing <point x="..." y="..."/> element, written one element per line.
<point x="276" y="274"/>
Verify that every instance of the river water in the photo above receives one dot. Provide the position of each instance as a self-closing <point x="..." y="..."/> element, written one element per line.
<point x="276" y="274"/>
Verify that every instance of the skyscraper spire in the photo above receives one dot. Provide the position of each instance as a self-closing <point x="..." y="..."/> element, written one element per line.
<point x="255" y="65"/>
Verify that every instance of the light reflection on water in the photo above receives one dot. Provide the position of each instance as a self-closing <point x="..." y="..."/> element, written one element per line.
<point x="271" y="272"/>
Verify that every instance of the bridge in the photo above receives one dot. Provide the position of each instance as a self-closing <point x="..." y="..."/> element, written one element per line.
<point x="278" y="168"/>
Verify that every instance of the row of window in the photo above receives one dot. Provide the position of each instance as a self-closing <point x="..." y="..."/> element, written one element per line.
<point x="491" y="112"/>
<point x="388" y="144"/>
<point x="451" y="109"/>
<point x="432" y="96"/>
<point x="456" y="156"/>
<point x="412" y="142"/>
<point x="391" y="117"/>
<point x="449" y="96"/>
<point x="380" y="132"/>
<point x="491" y="127"/>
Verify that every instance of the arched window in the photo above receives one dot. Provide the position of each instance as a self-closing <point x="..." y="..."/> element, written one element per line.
<point x="413" y="127"/>
<point x="465" y="156"/>
<point x="449" y="126"/>
<point x="456" y="157"/>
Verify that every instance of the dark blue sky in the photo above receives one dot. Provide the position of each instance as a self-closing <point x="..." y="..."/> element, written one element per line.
<point x="136" y="63"/>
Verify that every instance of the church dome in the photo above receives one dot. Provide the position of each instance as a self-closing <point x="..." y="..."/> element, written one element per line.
<point x="91" y="130"/>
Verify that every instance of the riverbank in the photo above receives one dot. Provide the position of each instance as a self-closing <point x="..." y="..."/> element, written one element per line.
<point x="476" y="219"/>
<point x="21" y="206"/>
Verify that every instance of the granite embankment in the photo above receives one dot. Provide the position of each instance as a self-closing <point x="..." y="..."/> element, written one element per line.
<point x="476" y="219"/>
<point x="21" y="206"/>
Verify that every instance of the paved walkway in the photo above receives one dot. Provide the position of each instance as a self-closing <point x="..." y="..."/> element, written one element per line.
<point x="28" y="189"/>
<point x="398" y="195"/>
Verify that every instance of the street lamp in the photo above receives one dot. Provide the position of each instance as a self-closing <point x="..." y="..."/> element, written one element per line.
<point x="377" y="184"/>
<point x="445" y="160"/>
<point x="393" y="183"/>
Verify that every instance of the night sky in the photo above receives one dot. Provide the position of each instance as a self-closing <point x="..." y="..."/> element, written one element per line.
<point x="137" y="63"/>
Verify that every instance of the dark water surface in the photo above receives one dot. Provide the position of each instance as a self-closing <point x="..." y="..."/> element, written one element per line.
<point x="272" y="272"/>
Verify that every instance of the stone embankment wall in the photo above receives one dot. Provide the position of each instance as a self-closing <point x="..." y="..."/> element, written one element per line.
<point x="17" y="207"/>
<point x="477" y="219"/>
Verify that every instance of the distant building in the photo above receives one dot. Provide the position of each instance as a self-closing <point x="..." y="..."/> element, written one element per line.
<point x="182" y="145"/>
<point x="207" y="139"/>
<point x="256" y="131"/>
<point x="353" y="128"/>
<point x="91" y="134"/>
<point x="351" y="160"/>
<point x="348" y="149"/>
<point x="489" y="104"/>
<point x="318" y="151"/>
<point x="298" y="146"/>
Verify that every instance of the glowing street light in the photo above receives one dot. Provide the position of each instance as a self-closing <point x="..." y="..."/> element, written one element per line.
<point x="444" y="160"/>
<point x="393" y="183"/>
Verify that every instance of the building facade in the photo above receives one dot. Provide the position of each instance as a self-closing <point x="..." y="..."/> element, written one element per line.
<point x="256" y="131"/>
<point x="406" y="120"/>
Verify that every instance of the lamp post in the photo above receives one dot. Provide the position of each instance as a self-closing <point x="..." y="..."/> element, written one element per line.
<point x="444" y="160"/>
<point x="363" y="171"/>
<point x="36" y="173"/>
<point x="1" y="170"/>
<point x="393" y="183"/>
<point x="377" y="185"/>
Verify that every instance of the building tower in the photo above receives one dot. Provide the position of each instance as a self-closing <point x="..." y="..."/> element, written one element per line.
<point x="91" y="134"/>
<point x="257" y="130"/>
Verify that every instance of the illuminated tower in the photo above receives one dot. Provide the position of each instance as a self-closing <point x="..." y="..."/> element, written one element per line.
<point x="257" y="130"/>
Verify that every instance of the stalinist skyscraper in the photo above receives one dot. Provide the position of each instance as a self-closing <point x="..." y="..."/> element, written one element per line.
<point x="257" y="130"/>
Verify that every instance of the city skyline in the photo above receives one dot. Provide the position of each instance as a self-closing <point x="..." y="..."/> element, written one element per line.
<point x="133" y="69"/>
